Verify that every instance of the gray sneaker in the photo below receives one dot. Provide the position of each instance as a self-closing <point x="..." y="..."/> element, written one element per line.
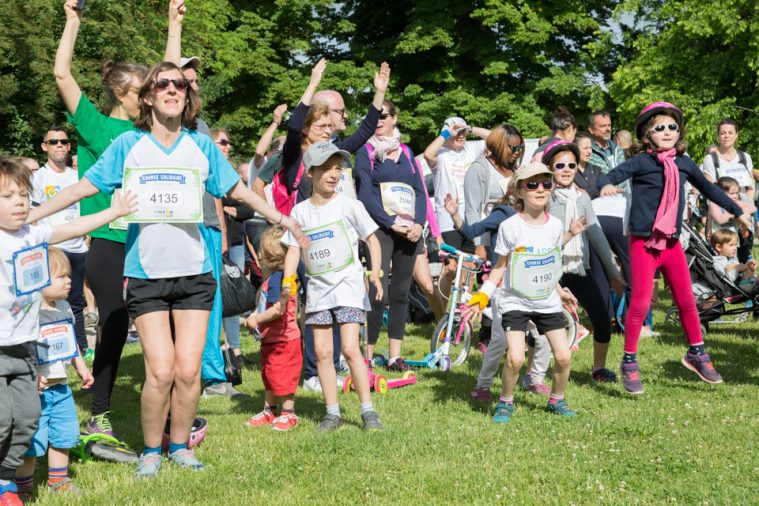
<point x="225" y="389"/>
<point x="186" y="458"/>
<point x="148" y="466"/>
<point x="330" y="423"/>
<point x="372" y="422"/>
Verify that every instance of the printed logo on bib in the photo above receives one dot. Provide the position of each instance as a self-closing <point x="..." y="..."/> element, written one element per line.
<point x="31" y="269"/>
<point x="346" y="185"/>
<point x="398" y="198"/>
<point x="330" y="249"/>
<point x="57" y="342"/>
<point x="534" y="275"/>
<point x="165" y="195"/>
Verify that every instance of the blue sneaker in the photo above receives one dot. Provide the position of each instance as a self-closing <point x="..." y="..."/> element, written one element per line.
<point x="560" y="408"/>
<point x="148" y="466"/>
<point x="503" y="412"/>
<point x="186" y="458"/>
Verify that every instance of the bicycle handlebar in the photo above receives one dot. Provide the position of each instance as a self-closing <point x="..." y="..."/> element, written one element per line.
<point x="467" y="257"/>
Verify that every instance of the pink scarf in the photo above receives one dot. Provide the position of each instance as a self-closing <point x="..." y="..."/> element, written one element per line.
<point x="665" y="224"/>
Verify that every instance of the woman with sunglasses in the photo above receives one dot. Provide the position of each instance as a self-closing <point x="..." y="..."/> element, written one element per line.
<point x="659" y="171"/>
<point x="587" y="259"/>
<point x="389" y="183"/>
<point x="168" y="266"/>
<point x="104" y="264"/>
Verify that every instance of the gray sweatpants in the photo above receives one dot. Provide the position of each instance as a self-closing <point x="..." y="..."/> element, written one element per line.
<point x="497" y="347"/>
<point x="19" y="406"/>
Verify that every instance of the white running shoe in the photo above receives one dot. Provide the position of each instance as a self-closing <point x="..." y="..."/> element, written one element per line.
<point x="312" y="384"/>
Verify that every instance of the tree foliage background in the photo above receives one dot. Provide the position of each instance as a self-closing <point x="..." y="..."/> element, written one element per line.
<point x="490" y="61"/>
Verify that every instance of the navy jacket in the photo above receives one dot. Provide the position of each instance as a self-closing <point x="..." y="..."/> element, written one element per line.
<point x="648" y="185"/>
<point x="498" y="215"/>
<point x="368" y="181"/>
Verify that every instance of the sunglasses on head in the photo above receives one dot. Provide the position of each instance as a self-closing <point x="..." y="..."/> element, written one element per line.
<point x="564" y="165"/>
<point x="163" y="84"/>
<point x="533" y="185"/>
<point x="223" y="142"/>
<point x="53" y="142"/>
<point x="661" y="127"/>
<point x="517" y="148"/>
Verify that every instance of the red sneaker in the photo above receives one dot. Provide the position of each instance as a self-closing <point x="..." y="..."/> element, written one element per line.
<point x="285" y="422"/>
<point x="265" y="417"/>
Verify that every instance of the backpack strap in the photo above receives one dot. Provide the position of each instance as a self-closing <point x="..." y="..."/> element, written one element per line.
<point x="411" y="159"/>
<point x="742" y="159"/>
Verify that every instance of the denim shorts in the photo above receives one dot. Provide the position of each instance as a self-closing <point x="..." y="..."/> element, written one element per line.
<point x="59" y="424"/>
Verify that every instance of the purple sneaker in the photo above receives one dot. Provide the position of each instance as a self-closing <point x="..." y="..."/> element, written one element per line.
<point x="482" y="395"/>
<point x="631" y="378"/>
<point x="100" y="424"/>
<point x="701" y="364"/>
<point x="399" y="365"/>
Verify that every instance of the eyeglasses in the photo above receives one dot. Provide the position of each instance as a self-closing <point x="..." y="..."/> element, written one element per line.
<point x="163" y="84"/>
<point x="674" y="127"/>
<point x="223" y="142"/>
<point x="54" y="142"/>
<point x="516" y="149"/>
<point x="565" y="165"/>
<point x="533" y="185"/>
<point x="322" y="126"/>
<point x="341" y="112"/>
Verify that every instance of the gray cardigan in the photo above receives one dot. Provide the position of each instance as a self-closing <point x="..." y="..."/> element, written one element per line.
<point x="480" y="187"/>
<point x="593" y="232"/>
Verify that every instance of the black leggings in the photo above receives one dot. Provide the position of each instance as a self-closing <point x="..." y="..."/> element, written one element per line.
<point x="619" y="242"/>
<point x="403" y="254"/>
<point x="105" y="274"/>
<point x="593" y="297"/>
<point x="76" y="297"/>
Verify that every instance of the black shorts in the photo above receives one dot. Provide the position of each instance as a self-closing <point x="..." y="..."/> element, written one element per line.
<point x="144" y="296"/>
<point x="457" y="240"/>
<point x="516" y="321"/>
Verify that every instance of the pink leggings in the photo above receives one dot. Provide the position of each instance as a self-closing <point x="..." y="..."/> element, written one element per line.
<point x="672" y="264"/>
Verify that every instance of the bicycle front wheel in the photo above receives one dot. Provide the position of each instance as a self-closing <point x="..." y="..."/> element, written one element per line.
<point x="457" y="351"/>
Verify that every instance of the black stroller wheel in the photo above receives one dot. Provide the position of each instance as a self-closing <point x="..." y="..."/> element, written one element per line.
<point x="672" y="316"/>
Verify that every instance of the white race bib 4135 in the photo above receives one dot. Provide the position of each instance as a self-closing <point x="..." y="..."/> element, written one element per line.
<point x="165" y="195"/>
<point x="330" y="249"/>
<point x="31" y="269"/>
<point x="534" y="275"/>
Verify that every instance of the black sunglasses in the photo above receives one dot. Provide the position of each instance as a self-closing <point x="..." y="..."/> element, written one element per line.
<point x="516" y="149"/>
<point x="661" y="127"/>
<point x="163" y="84"/>
<point x="53" y="142"/>
<point x="533" y="185"/>
<point x="223" y="142"/>
<point x="384" y="115"/>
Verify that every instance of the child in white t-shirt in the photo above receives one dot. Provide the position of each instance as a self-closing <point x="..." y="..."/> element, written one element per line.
<point x="336" y="289"/>
<point x="529" y="262"/>
<point x="725" y="244"/>
<point x="24" y="271"/>
<point x="58" y="428"/>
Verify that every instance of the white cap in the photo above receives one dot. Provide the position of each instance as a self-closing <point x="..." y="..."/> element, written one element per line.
<point x="319" y="152"/>
<point x="454" y="120"/>
<point x="192" y="61"/>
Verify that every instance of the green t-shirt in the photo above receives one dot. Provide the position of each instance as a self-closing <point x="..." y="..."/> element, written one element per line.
<point x="94" y="133"/>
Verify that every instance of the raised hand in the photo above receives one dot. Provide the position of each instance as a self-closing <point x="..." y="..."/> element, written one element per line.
<point x="280" y="110"/>
<point x="318" y="71"/>
<point x="177" y="10"/>
<point x="382" y="78"/>
<point x="451" y="204"/>
<point x="71" y="11"/>
<point x="578" y="226"/>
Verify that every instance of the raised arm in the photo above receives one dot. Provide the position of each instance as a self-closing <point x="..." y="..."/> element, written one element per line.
<point x="482" y="133"/>
<point x="369" y="125"/>
<point x="67" y="86"/>
<point x="265" y="141"/>
<point x="316" y="78"/>
<point x="173" y="52"/>
<point x="122" y="205"/>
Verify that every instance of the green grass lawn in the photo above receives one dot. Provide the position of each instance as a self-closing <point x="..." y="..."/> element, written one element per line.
<point x="682" y="442"/>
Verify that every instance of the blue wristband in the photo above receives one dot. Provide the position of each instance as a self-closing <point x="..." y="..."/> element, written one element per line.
<point x="445" y="134"/>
